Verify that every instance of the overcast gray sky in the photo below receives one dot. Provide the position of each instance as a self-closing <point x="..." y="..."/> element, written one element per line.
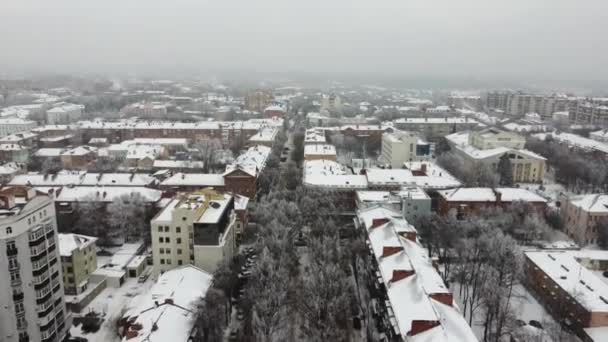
<point x="536" y="38"/>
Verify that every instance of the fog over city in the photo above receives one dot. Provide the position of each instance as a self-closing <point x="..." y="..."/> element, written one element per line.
<point x="541" y="39"/>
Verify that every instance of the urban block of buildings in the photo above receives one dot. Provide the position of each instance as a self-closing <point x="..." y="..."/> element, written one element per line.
<point x="581" y="215"/>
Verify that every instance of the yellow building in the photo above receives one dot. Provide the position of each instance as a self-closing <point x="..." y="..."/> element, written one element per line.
<point x="78" y="261"/>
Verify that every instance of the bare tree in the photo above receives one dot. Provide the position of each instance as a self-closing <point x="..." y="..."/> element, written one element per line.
<point x="206" y="152"/>
<point x="127" y="214"/>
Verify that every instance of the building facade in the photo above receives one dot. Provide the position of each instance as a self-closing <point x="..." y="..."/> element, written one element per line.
<point x="492" y="137"/>
<point x="78" y="261"/>
<point x="15" y="125"/>
<point x="581" y="215"/>
<point x="31" y="294"/>
<point x="65" y="114"/>
<point x="195" y="228"/>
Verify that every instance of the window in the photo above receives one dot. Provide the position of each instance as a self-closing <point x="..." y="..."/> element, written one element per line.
<point x="178" y="240"/>
<point x="70" y="269"/>
<point x="179" y="251"/>
<point x="168" y="250"/>
<point x="166" y="229"/>
<point x="162" y="261"/>
<point x="178" y="230"/>
<point x="162" y="251"/>
<point x="160" y="229"/>
<point x="71" y="280"/>
<point x="168" y="261"/>
<point x="167" y="240"/>
<point x="179" y="262"/>
<point x="160" y="239"/>
<point x="9" y="230"/>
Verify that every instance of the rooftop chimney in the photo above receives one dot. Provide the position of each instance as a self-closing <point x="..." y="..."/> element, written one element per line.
<point x="401" y="274"/>
<point x="390" y="250"/>
<point x="377" y="222"/>
<point x="445" y="298"/>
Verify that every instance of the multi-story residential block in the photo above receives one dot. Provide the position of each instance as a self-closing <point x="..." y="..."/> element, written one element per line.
<point x="78" y="261"/>
<point x="15" y="125"/>
<point x="409" y="299"/>
<point x="241" y="176"/>
<point x="276" y="109"/>
<point x="32" y="306"/>
<point x="67" y="113"/>
<point x="470" y="201"/>
<point x="195" y="228"/>
<point x="590" y="147"/>
<point x="472" y="102"/>
<point x="399" y="147"/>
<point x="581" y="214"/>
<point x="519" y="103"/>
<point x="573" y="294"/>
<point x="492" y="137"/>
<point x="589" y="111"/>
<point x="527" y="166"/>
<point x="78" y="158"/>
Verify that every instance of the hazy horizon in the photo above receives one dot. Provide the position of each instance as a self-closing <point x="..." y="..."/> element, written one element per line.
<point x="470" y="39"/>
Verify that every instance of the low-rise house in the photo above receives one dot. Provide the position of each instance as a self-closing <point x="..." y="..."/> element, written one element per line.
<point x="28" y="139"/>
<point x="572" y="294"/>
<point x="168" y="310"/>
<point x="409" y="299"/>
<point x="581" y="215"/>
<point x="314" y="136"/>
<point x="195" y="228"/>
<point x="82" y="178"/>
<point x="435" y="128"/>
<point x="78" y="261"/>
<point x="470" y="201"/>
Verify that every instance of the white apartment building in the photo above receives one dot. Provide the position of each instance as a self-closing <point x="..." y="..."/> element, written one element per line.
<point x="331" y="103"/>
<point x="195" y="228"/>
<point x="15" y="125"/>
<point x="32" y="306"/>
<point x="399" y="147"/>
<point x="65" y="114"/>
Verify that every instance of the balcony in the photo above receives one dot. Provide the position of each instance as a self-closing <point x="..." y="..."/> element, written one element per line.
<point x="16" y="282"/>
<point x="17" y="296"/>
<point x="13" y="265"/>
<point x="21" y="325"/>
<point x="37" y="265"/>
<point x="36" y="251"/>
<point x="39" y="279"/>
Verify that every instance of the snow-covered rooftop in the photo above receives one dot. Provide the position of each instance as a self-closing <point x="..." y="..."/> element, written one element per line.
<point x="593" y="203"/>
<point x="70" y="242"/>
<point x="105" y="194"/>
<point x="252" y="161"/>
<point x="194" y="179"/>
<point x="167" y="312"/>
<point x="579" y="282"/>
<point x="178" y="164"/>
<point x="83" y="178"/>
<point x="319" y="149"/>
<point x="412" y="284"/>
<point x="266" y="135"/>
<point x="577" y="141"/>
<point x="490" y="195"/>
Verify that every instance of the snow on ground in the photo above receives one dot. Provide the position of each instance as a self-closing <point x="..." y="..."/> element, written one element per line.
<point x="525" y="307"/>
<point x="110" y="303"/>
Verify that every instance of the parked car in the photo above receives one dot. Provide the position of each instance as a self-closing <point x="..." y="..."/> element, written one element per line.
<point x="535" y="324"/>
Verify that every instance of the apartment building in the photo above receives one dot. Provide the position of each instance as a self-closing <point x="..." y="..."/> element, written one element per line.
<point x="470" y="201"/>
<point x="195" y="228"/>
<point x="411" y="201"/>
<point x="15" y="125"/>
<point x="581" y="214"/>
<point x="399" y="147"/>
<point x="331" y="103"/>
<point x="64" y="114"/>
<point x="589" y="112"/>
<point x="519" y="103"/>
<point x="32" y="306"/>
<point x="146" y="109"/>
<point x="409" y="300"/>
<point x="78" y="261"/>
<point x="571" y="293"/>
